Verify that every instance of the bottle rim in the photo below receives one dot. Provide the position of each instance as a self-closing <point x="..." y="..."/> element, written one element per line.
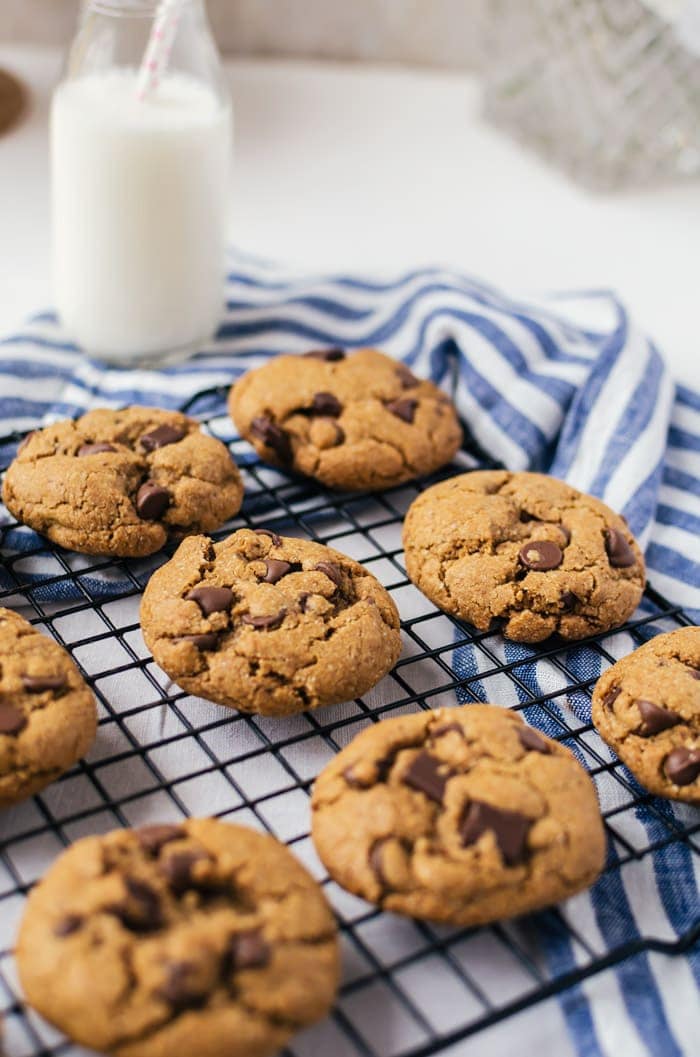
<point x="127" y="8"/>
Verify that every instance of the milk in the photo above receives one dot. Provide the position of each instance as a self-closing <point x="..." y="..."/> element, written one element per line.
<point x="139" y="214"/>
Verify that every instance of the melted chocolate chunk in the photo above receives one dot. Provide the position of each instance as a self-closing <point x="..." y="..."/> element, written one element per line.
<point x="609" y="698"/>
<point x="179" y="990"/>
<point x="509" y="827"/>
<point x="620" y="554"/>
<point x="655" y="719"/>
<point x="568" y="601"/>
<point x="247" y="950"/>
<point x="178" y="870"/>
<point x="277" y="540"/>
<point x="152" y="500"/>
<point x="403" y="409"/>
<point x="276" y="569"/>
<point x="142" y="910"/>
<point x="428" y="775"/>
<point x="208" y="640"/>
<point x="326" y="404"/>
<point x="272" y="436"/>
<point x="211" y="599"/>
<point x="12" y="721"/>
<point x="525" y="517"/>
<point x="161" y="437"/>
<point x="532" y="741"/>
<point x="332" y="571"/>
<point x="329" y="355"/>
<point x="265" y="622"/>
<point x="694" y="672"/>
<point x="153" y="838"/>
<point x="94" y="449"/>
<point x="682" y="766"/>
<point x="407" y="377"/>
<point x="541" y="556"/>
<point x="37" y="684"/>
<point x="68" y="925"/>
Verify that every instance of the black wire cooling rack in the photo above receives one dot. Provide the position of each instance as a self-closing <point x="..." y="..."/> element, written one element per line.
<point x="410" y="989"/>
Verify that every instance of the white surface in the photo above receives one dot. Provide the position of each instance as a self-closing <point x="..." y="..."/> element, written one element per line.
<point x="138" y="266"/>
<point x="347" y="168"/>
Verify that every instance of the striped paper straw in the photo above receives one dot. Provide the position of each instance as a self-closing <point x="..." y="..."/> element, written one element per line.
<point x="160" y="43"/>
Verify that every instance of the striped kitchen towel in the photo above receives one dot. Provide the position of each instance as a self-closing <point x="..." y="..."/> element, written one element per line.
<point x="565" y="384"/>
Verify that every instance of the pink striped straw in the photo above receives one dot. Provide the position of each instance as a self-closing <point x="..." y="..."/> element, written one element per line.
<point x="160" y="43"/>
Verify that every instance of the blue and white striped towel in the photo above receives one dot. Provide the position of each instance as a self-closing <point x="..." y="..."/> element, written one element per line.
<point x="565" y="384"/>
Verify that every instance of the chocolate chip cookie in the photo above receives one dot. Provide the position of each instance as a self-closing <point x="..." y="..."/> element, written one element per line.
<point x="647" y="708"/>
<point x="524" y="550"/>
<point x="268" y="624"/>
<point x="119" y="482"/>
<point x="203" y="938"/>
<point x="462" y="815"/>
<point x="359" y="421"/>
<point x="48" y="717"/>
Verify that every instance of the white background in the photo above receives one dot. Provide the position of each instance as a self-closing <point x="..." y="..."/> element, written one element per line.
<point x="348" y="167"/>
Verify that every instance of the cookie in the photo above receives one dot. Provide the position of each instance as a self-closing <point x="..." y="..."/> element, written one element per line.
<point x="119" y="482"/>
<point x="647" y="708"/>
<point x="268" y="624"/>
<point x="48" y="717"/>
<point x="360" y="421"/>
<point x="462" y="815"/>
<point x="204" y="938"/>
<point x="524" y="550"/>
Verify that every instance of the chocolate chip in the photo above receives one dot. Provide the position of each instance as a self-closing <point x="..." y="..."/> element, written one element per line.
<point x="428" y="775"/>
<point x="375" y="859"/>
<point x="178" y="869"/>
<point x="339" y="435"/>
<point x="406" y="377"/>
<point x="277" y="540"/>
<point x="275" y="570"/>
<point x="610" y="697"/>
<point x="403" y="409"/>
<point x="161" y="437"/>
<point x="68" y="925"/>
<point x="12" y="721"/>
<point x="525" y="517"/>
<point x="303" y="599"/>
<point x="332" y="571"/>
<point x="142" y="912"/>
<point x="682" y="766"/>
<point x="152" y="500"/>
<point x="541" y="556"/>
<point x="694" y="672"/>
<point x="208" y="640"/>
<point x="326" y="404"/>
<point x="247" y="950"/>
<point x="37" y="684"/>
<point x="532" y="741"/>
<point x="211" y="599"/>
<point x="509" y="828"/>
<point x="568" y="601"/>
<point x="329" y="355"/>
<point x="272" y="436"/>
<point x="179" y="990"/>
<point x="265" y="622"/>
<point x="353" y="781"/>
<point x="655" y="719"/>
<point x="620" y="554"/>
<point x="153" y="838"/>
<point x="94" y="449"/>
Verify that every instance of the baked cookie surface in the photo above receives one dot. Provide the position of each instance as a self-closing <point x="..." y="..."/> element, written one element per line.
<point x="524" y="549"/>
<point x="462" y="815"/>
<point x="48" y="716"/>
<point x="269" y="624"/>
<point x="119" y="482"/>
<point x="352" y="421"/>
<point x="202" y="939"/>
<point x="647" y="708"/>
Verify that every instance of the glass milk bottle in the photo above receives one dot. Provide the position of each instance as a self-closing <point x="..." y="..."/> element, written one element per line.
<point x="140" y="154"/>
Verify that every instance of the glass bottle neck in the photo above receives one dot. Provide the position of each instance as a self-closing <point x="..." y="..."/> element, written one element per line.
<point x="132" y="8"/>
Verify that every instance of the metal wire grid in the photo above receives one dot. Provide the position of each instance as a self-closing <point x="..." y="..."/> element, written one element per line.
<point x="161" y="755"/>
